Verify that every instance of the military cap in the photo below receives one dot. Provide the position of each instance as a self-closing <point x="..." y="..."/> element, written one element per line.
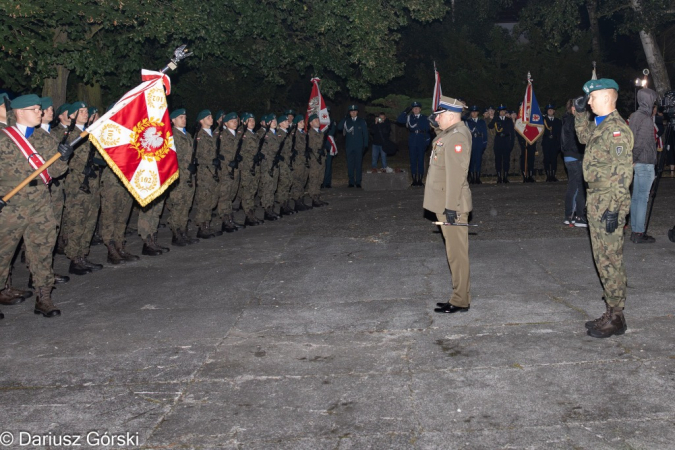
<point x="46" y="102"/>
<point x="602" y="83"/>
<point x="246" y="116"/>
<point x="416" y="105"/>
<point x="298" y="119"/>
<point x="450" y="104"/>
<point x="177" y="112"/>
<point x="220" y="113"/>
<point x="62" y="108"/>
<point x="230" y="116"/>
<point x="282" y="118"/>
<point x="474" y="108"/>
<point x="203" y="114"/>
<point x="3" y="96"/>
<point x="312" y="117"/>
<point x="501" y="108"/>
<point x="550" y="106"/>
<point x="353" y="108"/>
<point x="271" y="118"/>
<point x="74" y="107"/>
<point x="92" y="110"/>
<point x="26" y="101"/>
<point x="289" y="112"/>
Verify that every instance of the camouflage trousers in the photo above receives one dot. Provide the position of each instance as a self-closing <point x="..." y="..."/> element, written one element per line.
<point x="58" y="195"/>
<point x="268" y="184"/>
<point x="316" y="174"/>
<point x="248" y="188"/>
<point x="206" y="195"/>
<point x="608" y="251"/>
<point x="300" y="177"/>
<point x="228" y="192"/>
<point x="34" y="222"/>
<point x="148" y="217"/>
<point x="285" y="182"/>
<point x="178" y="204"/>
<point x="116" y="203"/>
<point x="80" y="214"/>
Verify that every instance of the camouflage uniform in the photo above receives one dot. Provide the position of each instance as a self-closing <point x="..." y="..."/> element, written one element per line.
<point x="148" y="217"/>
<point x="29" y="214"/>
<point x="268" y="184"/>
<point x="300" y="169"/>
<point x="250" y="179"/>
<point x="206" y="193"/>
<point x="56" y="187"/>
<point x="285" y="174"/>
<point x="182" y="191"/>
<point x="316" y="165"/>
<point x="229" y="178"/>
<point x="116" y="204"/>
<point x="608" y="169"/>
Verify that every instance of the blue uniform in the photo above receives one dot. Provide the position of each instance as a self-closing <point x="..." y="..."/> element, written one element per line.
<point x="356" y="140"/>
<point x="328" y="174"/>
<point x="504" y="140"/>
<point x="418" y="140"/>
<point x="479" y="140"/>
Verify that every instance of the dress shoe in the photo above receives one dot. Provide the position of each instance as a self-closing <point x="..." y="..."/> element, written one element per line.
<point x="450" y="309"/>
<point x="61" y="279"/>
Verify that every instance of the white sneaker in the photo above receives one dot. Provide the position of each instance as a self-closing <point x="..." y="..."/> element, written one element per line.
<point x="389" y="170"/>
<point x="566" y="221"/>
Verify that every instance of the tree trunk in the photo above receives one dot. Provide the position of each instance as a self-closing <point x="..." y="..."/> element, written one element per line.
<point x="91" y="95"/>
<point x="657" y="66"/>
<point x="56" y="87"/>
<point x="591" y="7"/>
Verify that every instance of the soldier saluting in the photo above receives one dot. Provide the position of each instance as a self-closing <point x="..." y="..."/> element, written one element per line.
<point x="608" y="169"/>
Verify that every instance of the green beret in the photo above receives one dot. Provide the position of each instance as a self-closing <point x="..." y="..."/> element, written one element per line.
<point x="177" y="112"/>
<point x="62" y="108"/>
<point x="312" y="117"/>
<point x="298" y="119"/>
<point x="289" y="112"/>
<point x="282" y="118"/>
<point x="203" y="114"/>
<point x="272" y="117"/>
<point x="230" y="116"/>
<point x="26" y="101"/>
<point x="92" y="110"/>
<point x="602" y="83"/>
<point x="74" y="107"/>
<point x="353" y="108"/>
<point x="3" y="95"/>
<point x="266" y="118"/>
<point x="218" y="115"/>
<point x="246" y="116"/>
<point x="46" y="102"/>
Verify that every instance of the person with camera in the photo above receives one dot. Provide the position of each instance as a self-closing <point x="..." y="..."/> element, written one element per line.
<point x="644" y="161"/>
<point x="418" y="139"/>
<point x="573" y="156"/>
<point x="608" y="169"/>
<point x="380" y="137"/>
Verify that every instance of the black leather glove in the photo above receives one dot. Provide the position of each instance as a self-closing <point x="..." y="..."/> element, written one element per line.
<point x="580" y="103"/>
<point x="239" y="158"/>
<point x="611" y="220"/>
<point x="100" y="162"/>
<point x="232" y="164"/>
<point x="450" y="216"/>
<point x="407" y="110"/>
<point x="192" y="168"/>
<point x="66" y="151"/>
<point x="216" y="163"/>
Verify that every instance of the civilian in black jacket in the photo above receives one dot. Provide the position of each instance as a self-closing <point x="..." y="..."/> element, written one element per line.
<point x="551" y="142"/>
<point x="573" y="155"/>
<point x="380" y="138"/>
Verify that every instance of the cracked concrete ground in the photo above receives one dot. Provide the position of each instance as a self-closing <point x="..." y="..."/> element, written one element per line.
<point x="317" y="332"/>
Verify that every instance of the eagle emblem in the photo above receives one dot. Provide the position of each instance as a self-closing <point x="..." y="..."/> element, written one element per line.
<point x="152" y="139"/>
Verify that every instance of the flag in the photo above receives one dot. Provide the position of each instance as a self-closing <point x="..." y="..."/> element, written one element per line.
<point x="317" y="105"/>
<point x="594" y="76"/>
<point x="136" y="141"/>
<point x="437" y="90"/>
<point x="530" y="122"/>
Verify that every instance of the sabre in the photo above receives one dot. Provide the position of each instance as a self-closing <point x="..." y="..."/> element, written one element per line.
<point x="179" y="54"/>
<point x="456" y="224"/>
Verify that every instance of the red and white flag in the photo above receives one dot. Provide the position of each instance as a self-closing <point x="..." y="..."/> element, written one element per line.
<point x="437" y="90"/>
<point x="136" y="141"/>
<point x="530" y="121"/>
<point x="317" y="105"/>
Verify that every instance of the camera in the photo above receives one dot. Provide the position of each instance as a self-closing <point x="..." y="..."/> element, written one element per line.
<point x="668" y="102"/>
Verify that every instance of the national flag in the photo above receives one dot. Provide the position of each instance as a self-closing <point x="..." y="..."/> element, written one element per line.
<point x="317" y="105"/>
<point x="437" y="90"/>
<point x="136" y="141"/>
<point x="594" y="76"/>
<point x="530" y="121"/>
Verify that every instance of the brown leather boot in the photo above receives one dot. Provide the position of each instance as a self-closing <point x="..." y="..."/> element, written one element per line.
<point x="10" y="290"/>
<point x="161" y="247"/>
<point x="10" y="296"/>
<point x="149" y="247"/>
<point x="78" y="267"/>
<point x="124" y="253"/>
<point x="592" y="323"/>
<point x="228" y="225"/>
<point x="61" y="243"/>
<point x="286" y="209"/>
<point x="43" y="303"/>
<point x="178" y="240"/>
<point x="113" y="255"/>
<point x="615" y="323"/>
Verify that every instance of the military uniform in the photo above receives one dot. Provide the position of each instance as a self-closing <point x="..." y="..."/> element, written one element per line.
<point x="229" y="179"/>
<point x="116" y="204"/>
<point x="504" y="139"/>
<point x="268" y="183"/>
<point x="300" y="169"/>
<point x="206" y="193"/>
<point x="316" y="166"/>
<point x="250" y="174"/>
<point x="355" y="131"/>
<point x="479" y="141"/>
<point x="285" y="175"/>
<point x="551" y="144"/>
<point x="418" y="140"/>
<point x="447" y="188"/>
<point x="608" y="169"/>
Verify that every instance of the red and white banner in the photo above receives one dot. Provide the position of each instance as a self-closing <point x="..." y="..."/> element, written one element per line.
<point x="437" y="90"/>
<point x="317" y="105"/>
<point x="530" y="121"/>
<point x="136" y="141"/>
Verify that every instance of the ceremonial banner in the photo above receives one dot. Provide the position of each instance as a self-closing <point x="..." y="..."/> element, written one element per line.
<point x="437" y="90"/>
<point x="136" y="141"/>
<point x="530" y="121"/>
<point x="317" y="106"/>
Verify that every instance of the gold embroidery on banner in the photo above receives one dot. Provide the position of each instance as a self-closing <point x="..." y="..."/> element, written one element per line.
<point x="110" y="135"/>
<point x="155" y="97"/>
<point x="149" y="141"/>
<point x="145" y="180"/>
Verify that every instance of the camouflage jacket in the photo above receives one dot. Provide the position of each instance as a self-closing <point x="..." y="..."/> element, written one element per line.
<point x="206" y="153"/>
<point x="315" y="142"/>
<point x="608" y="159"/>
<point x="229" y="143"/>
<point x="287" y="140"/>
<point x="249" y="147"/>
<point x="183" y="143"/>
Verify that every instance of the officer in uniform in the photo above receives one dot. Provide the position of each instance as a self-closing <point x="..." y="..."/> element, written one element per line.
<point x="268" y="183"/>
<point x="608" y="169"/>
<point x="283" y="193"/>
<point x="551" y="142"/>
<point x="29" y="214"/>
<point x="418" y="139"/>
<point x="250" y="172"/>
<point x="206" y="193"/>
<point x="182" y="192"/>
<point x="330" y="154"/>
<point x="504" y="140"/>
<point x="355" y="131"/>
<point x="299" y="164"/>
<point x="316" y="160"/>
<point x="448" y="195"/>
<point x="230" y="140"/>
<point x="479" y="140"/>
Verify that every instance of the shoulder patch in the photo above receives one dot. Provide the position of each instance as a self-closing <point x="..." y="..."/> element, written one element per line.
<point x="619" y="150"/>
<point x="458" y="148"/>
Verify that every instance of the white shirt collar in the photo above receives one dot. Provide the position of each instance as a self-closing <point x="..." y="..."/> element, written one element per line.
<point x="234" y="132"/>
<point x="81" y="127"/>
<point x="208" y="130"/>
<point x="46" y="127"/>
<point x="22" y="128"/>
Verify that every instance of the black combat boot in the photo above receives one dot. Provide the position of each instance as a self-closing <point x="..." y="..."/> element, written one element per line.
<point x="161" y="247"/>
<point x="177" y="239"/>
<point x="124" y="253"/>
<point x="530" y="177"/>
<point x="204" y="232"/>
<point x="270" y="215"/>
<point x="300" y="205"/>
<point x="77" y="267"/>
<point x="251" y="219"/>
<point x="61" y="279"/>
<point x="150" y="248"/>
<point x="614" y="324"/>
<point x="93" y="266"/>
<point x="234" y="222"/>
<point x="189" y="240"/>
<point x="228" y="226"/>
<point x="286" y="209"/>
<point x="478" y="178"/>
<point x="97" y="239"/>
<point x="44" y="304"/>
<point x="553" y="178"/>
<point x="505" y="177"/>
<point x="113" y="255"/>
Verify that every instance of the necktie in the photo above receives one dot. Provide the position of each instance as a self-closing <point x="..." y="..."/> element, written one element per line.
<point x="184" y="131"/>
<point x="29" y="132"/>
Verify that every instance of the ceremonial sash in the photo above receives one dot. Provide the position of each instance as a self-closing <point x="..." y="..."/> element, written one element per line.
<point x="34" y="159"/>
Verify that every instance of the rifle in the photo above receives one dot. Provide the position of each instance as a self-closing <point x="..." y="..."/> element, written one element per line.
<point x="89" y="171"/>
<point x="234" y="164"/>
<point x="294" y="152"/>
<point x="259" y="156"/>
<point x="216" y="161"/>
<point x="277" y="157"/>
<point x="194" y="162"/>
<point x="308" y="151"/>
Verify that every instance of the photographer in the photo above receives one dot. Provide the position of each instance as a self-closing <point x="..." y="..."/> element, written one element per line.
<point x="573" y="156"/>
<point x="380" y="136"/>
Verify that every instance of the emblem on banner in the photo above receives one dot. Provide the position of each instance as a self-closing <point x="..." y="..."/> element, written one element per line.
<point x="149" y="140"/>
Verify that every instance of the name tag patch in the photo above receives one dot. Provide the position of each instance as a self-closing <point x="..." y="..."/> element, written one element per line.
<point x="458" y="148"/>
